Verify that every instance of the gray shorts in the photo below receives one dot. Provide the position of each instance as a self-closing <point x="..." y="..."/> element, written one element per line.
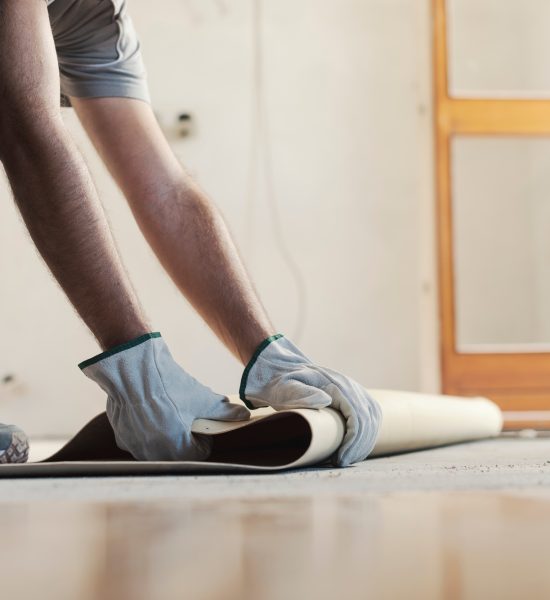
<point x="97" y="50"/>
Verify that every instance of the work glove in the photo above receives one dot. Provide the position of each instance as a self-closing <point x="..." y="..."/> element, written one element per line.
<point x="152" y="402"/>
<point x="281" y="376"/>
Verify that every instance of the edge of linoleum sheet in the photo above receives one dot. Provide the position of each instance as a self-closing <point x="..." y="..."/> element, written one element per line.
<point x="410" y="421"/>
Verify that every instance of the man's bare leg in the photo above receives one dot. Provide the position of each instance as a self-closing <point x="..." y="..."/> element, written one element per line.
<point x="182" y="226"/>
<point x="51" y="183"/>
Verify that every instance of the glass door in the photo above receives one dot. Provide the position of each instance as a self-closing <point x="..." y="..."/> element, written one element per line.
<point x="492" y="123"/>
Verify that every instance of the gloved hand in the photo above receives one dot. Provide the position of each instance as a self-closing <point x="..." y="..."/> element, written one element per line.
<point x="152" y="402"/>
<point x="281" y="376"/>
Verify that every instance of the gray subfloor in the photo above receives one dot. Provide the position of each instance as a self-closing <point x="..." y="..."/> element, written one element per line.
<point x="504" y="463"/>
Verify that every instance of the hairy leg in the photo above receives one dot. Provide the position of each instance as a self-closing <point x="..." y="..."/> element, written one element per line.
<point x="50" y="182"/>
<point x="180" y="223"/>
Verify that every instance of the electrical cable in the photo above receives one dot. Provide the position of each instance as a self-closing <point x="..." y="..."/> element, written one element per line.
<point x="261" y="157"/>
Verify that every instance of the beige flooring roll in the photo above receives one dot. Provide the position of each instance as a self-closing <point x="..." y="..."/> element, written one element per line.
<point x="412" y="421"/>
<point x="274" y="441"/>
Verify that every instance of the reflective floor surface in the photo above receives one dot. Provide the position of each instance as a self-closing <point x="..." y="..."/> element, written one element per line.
<point x="455" y="545"/>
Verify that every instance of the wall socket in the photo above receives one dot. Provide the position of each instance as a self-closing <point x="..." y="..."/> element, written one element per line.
<point x="176" y="126"/>
<point x="11" y="386"/>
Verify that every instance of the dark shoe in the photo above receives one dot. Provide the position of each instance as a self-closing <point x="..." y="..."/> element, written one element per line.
<point x="14" y="445"/>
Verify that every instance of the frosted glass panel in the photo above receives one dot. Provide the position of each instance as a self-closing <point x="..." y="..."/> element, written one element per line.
<point x="501" y="220"/>
<point x="499" y="48"/>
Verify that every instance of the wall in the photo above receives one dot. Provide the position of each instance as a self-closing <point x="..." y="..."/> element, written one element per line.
<point x="349" y="100"/>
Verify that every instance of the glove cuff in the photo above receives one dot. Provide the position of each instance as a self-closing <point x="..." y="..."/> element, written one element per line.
<point x="116" y="349"/>
<point x="244" y="379"/>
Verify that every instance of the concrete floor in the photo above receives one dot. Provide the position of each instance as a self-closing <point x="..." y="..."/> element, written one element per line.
<point x="470" y="521"/>
<point x="503" y="463"/>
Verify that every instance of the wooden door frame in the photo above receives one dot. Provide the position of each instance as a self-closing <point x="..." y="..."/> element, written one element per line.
<point x="518" y="381"/>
